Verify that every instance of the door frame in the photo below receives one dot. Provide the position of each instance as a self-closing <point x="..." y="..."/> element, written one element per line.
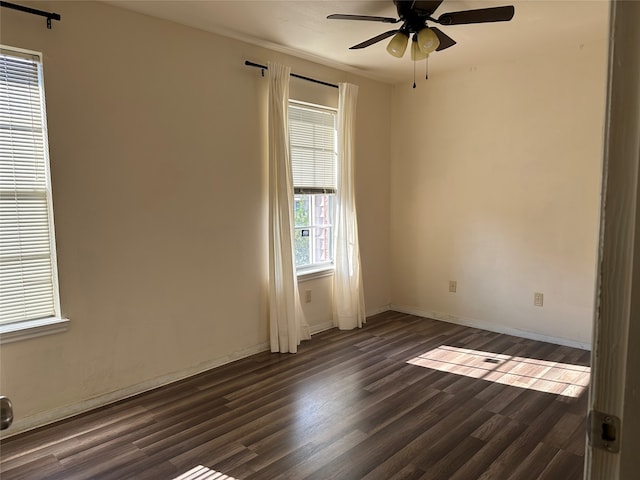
<point x="615" y="363"/>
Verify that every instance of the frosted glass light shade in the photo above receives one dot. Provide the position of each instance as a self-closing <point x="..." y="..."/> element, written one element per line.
<point x="416" y="52"/>
<point x="427" y="40"/>
<point x="398" y="45"/>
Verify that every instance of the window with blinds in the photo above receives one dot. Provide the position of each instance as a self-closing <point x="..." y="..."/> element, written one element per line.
<point x="28" y="278"/>
<point x="313" y="144"/>
<point x="312" y="139"/>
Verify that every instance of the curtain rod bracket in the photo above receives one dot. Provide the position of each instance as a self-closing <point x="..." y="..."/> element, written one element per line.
<point x="33" y="11"/>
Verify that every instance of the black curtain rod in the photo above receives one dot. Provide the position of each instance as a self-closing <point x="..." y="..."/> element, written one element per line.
<point x="308" y="79"/>
<point x="50" y="15"/>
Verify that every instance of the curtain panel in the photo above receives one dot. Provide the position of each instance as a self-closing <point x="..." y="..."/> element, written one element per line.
<point x="286" y="319"/>
<point x="348" y="291"/>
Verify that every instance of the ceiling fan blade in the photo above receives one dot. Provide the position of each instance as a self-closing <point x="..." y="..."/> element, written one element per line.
<point x="482" y="15"/>
<point x="427" y="6"/>
<point x="445" y="40"/>
<point x="367" y="18"/>
<point x="373" y="40"/>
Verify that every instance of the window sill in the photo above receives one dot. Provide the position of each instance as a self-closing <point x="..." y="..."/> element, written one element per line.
<point x="18" y="331"/>
<point x="307" y="275"/>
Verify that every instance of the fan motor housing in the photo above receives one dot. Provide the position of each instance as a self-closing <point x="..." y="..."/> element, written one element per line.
<point x="414" y="20"/>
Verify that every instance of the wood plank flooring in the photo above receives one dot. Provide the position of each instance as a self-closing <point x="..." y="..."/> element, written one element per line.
<point x="402" y="398"/>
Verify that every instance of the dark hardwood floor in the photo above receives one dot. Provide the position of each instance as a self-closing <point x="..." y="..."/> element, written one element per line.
<point x="402" y="398"/>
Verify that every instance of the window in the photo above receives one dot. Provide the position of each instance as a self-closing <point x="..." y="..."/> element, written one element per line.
<point x="313" y="137"/>
<point x="28" y="276"/>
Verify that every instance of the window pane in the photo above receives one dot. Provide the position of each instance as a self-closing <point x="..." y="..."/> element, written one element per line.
<point x="302" y="247"/>
<point x="322" y="243"/>
<point x="323" y="211"/>
<point x="314" y="229"/>
<point x="301" y="211"/>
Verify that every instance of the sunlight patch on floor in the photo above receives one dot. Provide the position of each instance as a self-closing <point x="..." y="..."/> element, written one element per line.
<point x="203" y="473"/>
<point x="530" y="373"/>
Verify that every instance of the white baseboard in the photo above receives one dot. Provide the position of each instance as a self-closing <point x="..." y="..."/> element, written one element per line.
<point x="491" y="327"/>
<point x="321" y="327"/>
<point x="376" y="310"/>
<point x="29" y="423"/>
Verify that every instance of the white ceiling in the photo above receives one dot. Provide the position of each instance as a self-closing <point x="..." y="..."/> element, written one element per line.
<point x="300" y="28"/>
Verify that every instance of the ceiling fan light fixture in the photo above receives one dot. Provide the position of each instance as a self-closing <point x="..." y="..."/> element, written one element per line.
<point x="416" y="52"/>
<point x="427" y="40"/>
<point x="398" y="44"/>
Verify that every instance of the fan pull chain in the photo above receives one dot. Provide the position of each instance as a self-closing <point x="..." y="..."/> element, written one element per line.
<point x="414" y="74"/>
<point x="426" y="68"/>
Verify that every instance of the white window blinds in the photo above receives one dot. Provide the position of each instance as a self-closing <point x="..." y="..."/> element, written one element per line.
<point x="312" y="139"/>
<point x="28" y="284"/>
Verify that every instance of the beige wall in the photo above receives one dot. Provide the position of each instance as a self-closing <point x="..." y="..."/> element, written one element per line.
<point x="495" y="183"/>
<point x="157" y="140"/>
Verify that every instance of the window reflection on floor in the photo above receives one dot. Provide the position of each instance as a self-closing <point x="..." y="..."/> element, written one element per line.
<point x="203" y="473"/>
<point x="530" y="373"/>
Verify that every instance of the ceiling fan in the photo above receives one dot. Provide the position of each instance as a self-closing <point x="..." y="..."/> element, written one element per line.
<point x="425" y="39"/>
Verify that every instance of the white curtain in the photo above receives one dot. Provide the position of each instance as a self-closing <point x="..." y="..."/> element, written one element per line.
<point x="287" y="324"/>
<point x="348" y="293"/>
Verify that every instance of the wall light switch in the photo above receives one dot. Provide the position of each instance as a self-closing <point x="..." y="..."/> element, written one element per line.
<point x="453" y="286"/>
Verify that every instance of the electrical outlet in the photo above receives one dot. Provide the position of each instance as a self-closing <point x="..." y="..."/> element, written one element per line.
<point x="538" y="299"/>
<point x="453" y="286"/>
<point x="307" y="296"/>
